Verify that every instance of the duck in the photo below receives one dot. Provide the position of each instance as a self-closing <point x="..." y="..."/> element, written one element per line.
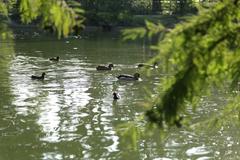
<point x="126" y="77"/>
<point x="56" y="59"/>
<point x="115" y="96"/>
<point x="39" y="77"/>
<point x="155" y="65"/>
<point x="104" y="68"/>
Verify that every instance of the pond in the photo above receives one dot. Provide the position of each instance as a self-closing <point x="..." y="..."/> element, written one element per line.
<point x="72" y="114"/>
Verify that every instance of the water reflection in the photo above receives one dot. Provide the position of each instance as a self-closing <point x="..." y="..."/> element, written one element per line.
<point x="72" y="115"/>
<point x="64" y="91"/>
<point x="74" y="103"/>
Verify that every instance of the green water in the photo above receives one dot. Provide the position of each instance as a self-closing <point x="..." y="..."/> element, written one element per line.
<point x="71" y="114"/>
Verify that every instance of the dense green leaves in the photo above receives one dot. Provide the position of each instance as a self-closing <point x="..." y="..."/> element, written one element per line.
<point x="203" y="53"/>
<point x="62" y="16"/>
<point x="3" y="9"/>
<point x="199" y="53"/>
<point x="53" y="13"/>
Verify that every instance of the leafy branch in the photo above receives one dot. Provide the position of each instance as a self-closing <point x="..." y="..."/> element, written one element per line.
<point x="59" y="14"/>
<point x="199" y="53"/>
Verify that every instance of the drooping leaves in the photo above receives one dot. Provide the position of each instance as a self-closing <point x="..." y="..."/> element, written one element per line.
<point x="54" y="13"/>
<point x="198" y="53"/>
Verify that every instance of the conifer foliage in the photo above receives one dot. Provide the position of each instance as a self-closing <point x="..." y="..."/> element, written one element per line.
<point x="201" y="52"/>
<point x="60" y="15"/>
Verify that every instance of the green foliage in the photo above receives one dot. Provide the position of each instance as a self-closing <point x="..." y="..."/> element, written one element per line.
<point x="3" y="9"/>
<point x="6" y="6"/>
<point x="114" y="12"/>
<point x="141" y="6"/>
<point x="132" y="34"/>
<point x="30" y="10"/>
<point x="200" y="53"/>
<point x="101" y="12"/>
<point x="131" y="134"/>
<point x="58" y="14"/>
<point x="5" y="33"/>
<point x="62" y="16"/>
<point x="120" y="12"/>
<point x="153" y="29"/>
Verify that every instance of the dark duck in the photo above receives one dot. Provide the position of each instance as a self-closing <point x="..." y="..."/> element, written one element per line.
<point x="105" y="68"/>
<point x="154" y="65"/>
<point x="39" y="77"/>
<point x="127" y="77"/>
<point x="55" y="59"/>
<point x="115" y="96"/>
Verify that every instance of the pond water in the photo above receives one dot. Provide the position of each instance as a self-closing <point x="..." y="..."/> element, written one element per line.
<point x="72" y="115"/>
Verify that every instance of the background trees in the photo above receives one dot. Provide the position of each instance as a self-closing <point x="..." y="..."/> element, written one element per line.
<point x="61" y="16"/>
<point x="156" y="6"/>
<point x="120" y="12"/>
<point x="97" y="12"/>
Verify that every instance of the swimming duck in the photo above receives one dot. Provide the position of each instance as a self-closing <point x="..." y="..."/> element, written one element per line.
<point x="155" y="65"/>
<point x="115" y="96"/>
<point x="56" y="59"/>
<point x="104" y="68"/>
<point x="126" y="77"/>
<point x="39" y="77"/>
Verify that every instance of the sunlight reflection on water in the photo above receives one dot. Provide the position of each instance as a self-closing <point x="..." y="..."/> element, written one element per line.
<point x="72" y="115"/>
<point x="51" y="96"/>
<point x="65" y="98"/>
<point x="201" y="150"/>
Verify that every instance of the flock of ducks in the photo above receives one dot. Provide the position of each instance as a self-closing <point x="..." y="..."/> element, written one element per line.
<point x="124" y="77"/>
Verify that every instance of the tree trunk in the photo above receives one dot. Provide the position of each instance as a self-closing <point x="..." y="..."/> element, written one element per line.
<point x="182" y="6"/>
<point x="156" y="6"/>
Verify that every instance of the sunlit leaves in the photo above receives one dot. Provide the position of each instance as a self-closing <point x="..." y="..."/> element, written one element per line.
<point x="6" y="6"/>
<point x="6" y="50"/>
<point x="153" y="29"/>
<point x="132" y="34"/>
<point x="5" y="32"/>
<point x="76" y="6"/>
<point x="130" y="133"/>
<point x="202" y="55"/>
<point x="200" y="52"/>
<point x="3" y="9"/>
<point x="55" y="13"/>
<point x="140" y="32"/>
<point x="29" y="9"/>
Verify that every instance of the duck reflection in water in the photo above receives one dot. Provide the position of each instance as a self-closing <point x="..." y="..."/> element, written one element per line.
<point x="154" y="65"/>
<point x="127" y="77"/>
<point x="105" y="68"/>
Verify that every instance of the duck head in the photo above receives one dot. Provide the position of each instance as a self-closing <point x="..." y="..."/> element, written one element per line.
<point x="110" y="65"/>
<point x="136" y="75"/>
<point x="115" y="96"/>
<point x="43" y="74"/>
<point x="155" y="64"/>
